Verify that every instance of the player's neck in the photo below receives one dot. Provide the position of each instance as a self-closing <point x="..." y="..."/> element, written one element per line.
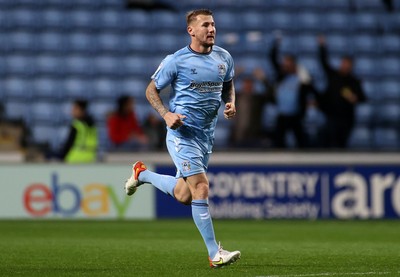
<point x="200" y="48"/>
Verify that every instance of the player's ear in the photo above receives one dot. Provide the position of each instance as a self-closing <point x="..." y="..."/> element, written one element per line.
<point x="190" y="31"/>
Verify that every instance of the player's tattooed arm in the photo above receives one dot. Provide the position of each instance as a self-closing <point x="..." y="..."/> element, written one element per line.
<point x="228" y="92"/>
<point x="228" y="96"/>
<point x="153" y="96"/>
<point x="173" y="120"/>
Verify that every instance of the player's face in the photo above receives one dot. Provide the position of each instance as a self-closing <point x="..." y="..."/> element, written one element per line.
<point x="203" y="30"/>
<point x="346" y="66"/>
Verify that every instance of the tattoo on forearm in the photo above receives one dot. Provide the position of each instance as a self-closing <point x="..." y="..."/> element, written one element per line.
<point x="154" y="99"/>
<point x="228" y="93"/>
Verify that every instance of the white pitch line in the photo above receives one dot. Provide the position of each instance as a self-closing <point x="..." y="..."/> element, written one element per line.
<point x="331" y="274"/>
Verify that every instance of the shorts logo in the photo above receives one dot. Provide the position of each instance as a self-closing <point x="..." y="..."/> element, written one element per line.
<point x="185" y="166"/>
<point x="221" y="69"/>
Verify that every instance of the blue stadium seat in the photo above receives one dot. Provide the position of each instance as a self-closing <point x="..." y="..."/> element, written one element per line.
<point x="52" y="42"/>
<point x="43" y="134"/>
<point x="390" y="66"/>
<point x="289" y="45"/>
<point x="110" y="42"/>
<point x="82" y="42"/>
<point x="365" y="44"/>
<point x="254" y="20"/>
<point x="364" y="114"/>
<point x="59" y="137"/>
<point x="65" y="112"/>
<point x="227" y="21"/>
<point x="390" y="90"/>
<point x="390" y="44"/>
<point x="20" y="65"/>
<point x="366" y="68"/>
<point x="390" y="23"/>
<point x="361" y="138"/>
<point x="135" y="87"/>
<point x="105" y="88"/>
<point x="44" y="112"/>
<point x="47" y="88"/>
<point x="313" y="66"/>
<point x="16" y="110"/>
<point x="369" y="5"/>
<point x="282" y="21"/>
<point x="142" y="110"/>
<point x="222" y="134"/>
<point x="138" y="42"/>
<point x="307" y="44"/>
<point x="110" y="20"/>
<point x="337" y="22"/>
<point x="338" y="44"/>
<point x="75" y="88"/>
<point x="165" y="20"/>
<point x="372" y="91"/>
<point x="270" y="114"/>
<point x="309" y="21"/>
<point x="79" y="65"/>
<point x="50" y="65"/>
<point x="108" y="65"/>
<point x="254" y="43"/>
<point x="386" y="138"/>
<point x="100" y="110"/>
<point x="18" y="89"/>
<point x="54" y="19"/>
<point x="22" y="41"/>
<point x="365" y="22"/>
<point x="388" y="115"/>
<point x="135" y="65"/>
<point x="137" y="20"/>
<point x="169" y="42"/>
<point x="83" y="20"/>
<point x="25" y="19"/>
<point x="336" y="5"/>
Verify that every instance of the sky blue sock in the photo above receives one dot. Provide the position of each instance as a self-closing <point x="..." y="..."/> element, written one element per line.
<point x="202" y="218"/>
<point x="165" y="183"/>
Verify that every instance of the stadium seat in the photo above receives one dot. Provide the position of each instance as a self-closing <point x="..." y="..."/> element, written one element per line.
<point x="43" y="134"/>
<point x="138" y="42"/>
<point x="282" y="21"/>
<point x="386" y="138"/>
<point x="336" y="5"/>
<point x="50" y="65"/>
<point x="21" y="41"/>
<point x="55" y="20"/>
<point x="165" y="20"/>
<point x="227" y="21"/>
<point x="135" y="65"/>
<point x="369" y="5"/>
<point x="308" y="21"/>
<point x="100" y="110"/>
<point x="366" y="68"/>
<point x="47" y="88"/>
<point x="59" y="137"/>
<point x="338" y="44"/>
<point x="136" y="87"/>
<point x="390" y="44"/>
<point x="365" y="22"/>
<point x="390" y="66"/>
<point x="107" y="89"/>
<point x="254" y="20"/>
<point x="137" y="20"/>
<point x="142" y="110"/>
<point x="52" y="42"/>
<point x="18" y="89"/>
<point x="222" y="134"/>
<point x="83" y="20"/>
<point x="107" y="65"/>
<point x="372" y="91"/>
<point x="16" y="110"/>
<point x="65" y="112"/>
<point x="364" y="114"/>
<point x="361" y="138"/>
<point x="79" y="65"/>
<point x="365" y="44"/>
<point x="306" y="44"/>
<point x="20" y="65"/>
<point x="110" y="43"/>
<point x="77" y="89"/>
<point x="270" y="114"/>
<point x="388" y="115"/>
<point x="110" y="20"/>
<point x="82" y="42"/>
<point x="337" y="21"/>
<point x="169" y="43"/>
<point x="44" y="113"/>
<point x="25" y="19"/>
<point x="312" y="65"/>
<point x="390" y="90"/>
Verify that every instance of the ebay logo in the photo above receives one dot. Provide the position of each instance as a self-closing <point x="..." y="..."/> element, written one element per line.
<point x="67" y="199"/>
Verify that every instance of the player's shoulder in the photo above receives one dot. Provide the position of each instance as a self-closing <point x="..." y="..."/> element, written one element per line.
<point x="221" y="51"/>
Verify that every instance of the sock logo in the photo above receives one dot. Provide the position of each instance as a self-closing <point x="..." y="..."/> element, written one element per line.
<point x="185" y="166"/>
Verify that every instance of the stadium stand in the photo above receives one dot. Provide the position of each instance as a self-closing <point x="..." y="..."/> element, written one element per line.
<point x="57" y="50"/>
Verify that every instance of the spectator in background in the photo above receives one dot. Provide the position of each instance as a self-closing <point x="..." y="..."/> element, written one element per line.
<point x="247" y="126"/>
<point x="292" y="86"/>
<point x="82" y="142"/>
<point x="123" y="128"/>
<point x="342" y="94"/>
<point x="156" y="131"/>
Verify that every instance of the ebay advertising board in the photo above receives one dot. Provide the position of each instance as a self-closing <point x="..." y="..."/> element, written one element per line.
<point x="308" y="192"/>
<point x="71" y="191"/>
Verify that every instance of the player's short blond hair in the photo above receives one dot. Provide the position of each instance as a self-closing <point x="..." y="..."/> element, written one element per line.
<point x="191" y="16"/>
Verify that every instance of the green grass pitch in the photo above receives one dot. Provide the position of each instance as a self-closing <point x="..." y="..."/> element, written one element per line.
<point x="175" y="248"/>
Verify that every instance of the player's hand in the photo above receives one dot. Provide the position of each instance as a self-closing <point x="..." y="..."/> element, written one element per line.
<point x="174" y="120"/>
<point x="230" y="110"/>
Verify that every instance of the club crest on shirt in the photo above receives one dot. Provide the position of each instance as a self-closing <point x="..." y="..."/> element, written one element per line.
<point x="186" y="166"/>
<point x="221" y="69"/>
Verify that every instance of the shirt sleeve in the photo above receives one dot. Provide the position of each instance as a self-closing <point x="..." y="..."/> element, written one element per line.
<point x="165" y="73"/>
<point x="230" y="71"/>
